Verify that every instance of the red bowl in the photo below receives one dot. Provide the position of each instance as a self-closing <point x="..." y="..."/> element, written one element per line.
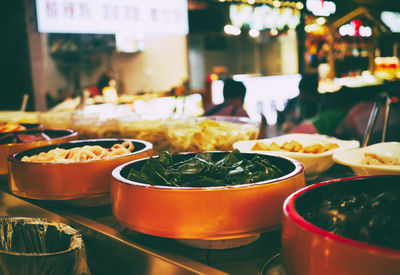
<point x="309" y="249"/>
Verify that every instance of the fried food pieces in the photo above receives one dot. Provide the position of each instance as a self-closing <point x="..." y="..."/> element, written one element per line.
<point x="375" y="159"/>
<point x="294" y="146"/>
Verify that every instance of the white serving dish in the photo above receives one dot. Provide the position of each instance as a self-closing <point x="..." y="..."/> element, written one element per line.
<point x="352" y="158"/>
<point x="314" y="164"/>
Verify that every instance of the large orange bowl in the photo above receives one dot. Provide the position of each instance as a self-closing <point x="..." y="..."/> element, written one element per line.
<point x="56" y="136"/>
<point x="204" y="213"/>
<point x="310" y="249"/>
<point x="72" y="180"/>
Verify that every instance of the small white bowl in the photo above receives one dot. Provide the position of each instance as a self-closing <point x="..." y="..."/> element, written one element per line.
<point x="352" y="158"/>
<point x="314" y="164"/>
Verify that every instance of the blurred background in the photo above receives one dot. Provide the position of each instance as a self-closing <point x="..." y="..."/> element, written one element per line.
<point x="127" y="51"/>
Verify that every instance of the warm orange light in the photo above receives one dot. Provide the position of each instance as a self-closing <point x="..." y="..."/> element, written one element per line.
<point x="214" y="77"/>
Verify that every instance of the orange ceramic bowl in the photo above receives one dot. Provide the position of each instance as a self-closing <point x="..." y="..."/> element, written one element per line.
<point x="204" y="213"/>
<point x="15" y="126"/>
<point x="56" y="136"/>
<point x="73" y="180"/>
<point x="310" y="249"/>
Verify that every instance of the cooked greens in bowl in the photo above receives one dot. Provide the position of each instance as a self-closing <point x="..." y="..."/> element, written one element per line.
<point x="205" y="170"/>
<point x="208" y="195"/>
<point x="343" y="226"/>
<point x="364" y="209"/>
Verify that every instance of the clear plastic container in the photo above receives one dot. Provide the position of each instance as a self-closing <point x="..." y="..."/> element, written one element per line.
<point x="213" y="133"/>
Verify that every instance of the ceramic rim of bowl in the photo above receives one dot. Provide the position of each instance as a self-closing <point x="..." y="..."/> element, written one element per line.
<point x="13" y="157"/>
<point x="381" y="168"/>
<point x="299" y="168"/>
<point x="290" y="211"/>
<point x="69" y="133"/>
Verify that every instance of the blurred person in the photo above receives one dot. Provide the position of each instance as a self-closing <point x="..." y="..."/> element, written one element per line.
<point x="105" y="80"/>
<point x="314" y="113"/>
<point x="304" y="106"/>
<point x="333" y="109"/>
<point x="234" y="93"/>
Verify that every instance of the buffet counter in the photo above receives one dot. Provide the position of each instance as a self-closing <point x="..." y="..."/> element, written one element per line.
<point x="109" y="249"/>
<point x="113" y="249"/>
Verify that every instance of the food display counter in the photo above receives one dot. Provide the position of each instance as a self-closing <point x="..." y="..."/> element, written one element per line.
<point x="114" y="246"/>
<point x="113" y="249"/>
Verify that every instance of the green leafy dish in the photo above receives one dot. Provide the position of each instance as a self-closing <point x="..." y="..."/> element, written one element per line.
<point x="205" y="170"/>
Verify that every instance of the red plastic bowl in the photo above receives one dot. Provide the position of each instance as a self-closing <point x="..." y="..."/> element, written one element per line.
<point x="308" y="249"/>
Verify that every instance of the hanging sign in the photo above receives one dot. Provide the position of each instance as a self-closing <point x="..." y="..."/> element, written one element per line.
<point x="112" y="16"/>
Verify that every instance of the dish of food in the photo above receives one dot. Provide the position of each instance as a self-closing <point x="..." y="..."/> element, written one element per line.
<point x="73" y="179"/>
<point x="294" y="146"/>
<point x="23" y="137"/>
<point x="19" y="117"/>
<point x="343" y="226"/>
<point x="19" y="141"/>
<point x="151" y="130"/>
<point x="174" y="135"/>
<point x="312" y="150"/>
<point x="7" y="127"/>
<point x="202" y="170"/>
<point x="377" y="159"/>
<point x="84" y="153"/>
<point x="11" y="127"/>
<point x="211" y="209"/>
<point x="214" y="133"/>
<point x="370" y="217"/>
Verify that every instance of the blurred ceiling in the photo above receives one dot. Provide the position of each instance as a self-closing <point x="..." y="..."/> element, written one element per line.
<point x="374" y="6"/>
<point x="212" y="15"/>
<point x="345" y="5"/>
<point x="380" y="4"/>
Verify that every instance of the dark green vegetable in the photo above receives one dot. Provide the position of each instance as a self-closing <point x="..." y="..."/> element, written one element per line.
<point x="202" y="170"/>
<point x="371" y="216"/>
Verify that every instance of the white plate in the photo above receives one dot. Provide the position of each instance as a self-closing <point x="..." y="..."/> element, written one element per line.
<point x="353" y="159"/>
<point x="314" y="164"/>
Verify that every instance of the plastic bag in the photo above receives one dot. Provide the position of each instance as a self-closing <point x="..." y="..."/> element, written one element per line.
<point x="38" y="246"/>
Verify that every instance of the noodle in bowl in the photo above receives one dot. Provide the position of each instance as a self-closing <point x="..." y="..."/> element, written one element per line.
<point x="68" y="180"/>
<point x="84" y="153"/>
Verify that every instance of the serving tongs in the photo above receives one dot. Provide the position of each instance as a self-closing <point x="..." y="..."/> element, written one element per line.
<point x="382" y="101"/>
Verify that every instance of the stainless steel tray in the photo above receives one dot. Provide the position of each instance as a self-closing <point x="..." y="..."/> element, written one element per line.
<point x="113" y="249"/>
